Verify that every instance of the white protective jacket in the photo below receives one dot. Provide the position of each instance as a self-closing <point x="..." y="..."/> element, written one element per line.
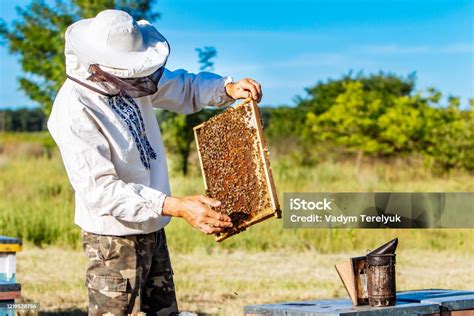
<point x="119" y="187"/>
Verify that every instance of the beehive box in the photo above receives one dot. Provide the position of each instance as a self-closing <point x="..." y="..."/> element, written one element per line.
<point x="235" y="167"/>
<point x="8" y="249"/>
<point x="9" y="289"/>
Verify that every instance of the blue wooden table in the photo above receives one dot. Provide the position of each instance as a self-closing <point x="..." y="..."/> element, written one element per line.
<point x="421" y="302"/>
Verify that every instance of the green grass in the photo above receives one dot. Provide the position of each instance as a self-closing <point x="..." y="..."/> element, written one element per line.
<point x="37" y="202"/>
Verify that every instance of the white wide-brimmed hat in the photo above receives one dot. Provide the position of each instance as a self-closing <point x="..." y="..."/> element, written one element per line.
<point x="120" y="45"/>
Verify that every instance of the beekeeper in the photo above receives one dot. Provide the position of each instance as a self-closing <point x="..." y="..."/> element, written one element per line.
<point x="106" y="130"/>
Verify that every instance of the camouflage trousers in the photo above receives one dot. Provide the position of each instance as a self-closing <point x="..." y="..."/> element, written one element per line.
<point x="129" y="274"/>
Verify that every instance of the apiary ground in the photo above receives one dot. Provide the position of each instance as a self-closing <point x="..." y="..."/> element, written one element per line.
<point x="238" y="277"/>
<point x="233" y="165"/>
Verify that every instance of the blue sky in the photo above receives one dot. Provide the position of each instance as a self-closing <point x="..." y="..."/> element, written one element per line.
<point x="290" y="45"/>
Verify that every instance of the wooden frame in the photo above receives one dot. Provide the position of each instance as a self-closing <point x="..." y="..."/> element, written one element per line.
<point x="274" y="210"/>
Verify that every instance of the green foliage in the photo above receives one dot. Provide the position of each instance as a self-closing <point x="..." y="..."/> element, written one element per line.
<point x="23" y="120"/>
<point x="281" y="122"/>
<point x="284" y="126"/>
<point x="378" y="115"/>
<point x="37" y="38"/>
<point x="323" y="95"/>
<point x="450" y="142"/>
<point x="363" y="120"/>
<point x="349" y="121"/>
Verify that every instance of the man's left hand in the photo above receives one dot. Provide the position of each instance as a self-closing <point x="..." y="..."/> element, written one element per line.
<point x="244" y="89"/>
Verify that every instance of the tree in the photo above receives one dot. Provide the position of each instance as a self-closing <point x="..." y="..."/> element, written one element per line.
<point x="37" y="38"/>
<point x="450" y="143"/>
<point x="344" y="112"/>
<point x="379" y="115"/>
<point x="24" y="120"/>
<point x="323" y="95"/>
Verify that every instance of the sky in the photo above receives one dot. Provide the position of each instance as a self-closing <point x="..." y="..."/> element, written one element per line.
<point x="290" y="45"/>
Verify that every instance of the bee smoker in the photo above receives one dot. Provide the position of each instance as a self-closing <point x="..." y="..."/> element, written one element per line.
<point x="371" y="279"/>
<point x="381" y="285"/>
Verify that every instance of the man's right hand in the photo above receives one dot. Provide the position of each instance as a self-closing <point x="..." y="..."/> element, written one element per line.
<point x="196" y="211"/>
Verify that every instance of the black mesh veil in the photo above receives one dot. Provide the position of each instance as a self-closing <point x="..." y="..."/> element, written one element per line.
<point x="134" y="87"/>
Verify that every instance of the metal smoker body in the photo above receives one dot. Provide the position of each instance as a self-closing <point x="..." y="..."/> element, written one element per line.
<point x="371" y="279"/>
<point x="381" y="284"/>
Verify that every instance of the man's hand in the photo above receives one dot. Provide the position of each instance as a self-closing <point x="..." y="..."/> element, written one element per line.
<point x="243" y="89"/>
<point x="195" y="210"/>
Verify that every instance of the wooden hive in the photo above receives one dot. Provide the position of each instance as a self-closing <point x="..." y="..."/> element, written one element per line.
<point x="9" y="289"/>
<point x="235" y="167"/>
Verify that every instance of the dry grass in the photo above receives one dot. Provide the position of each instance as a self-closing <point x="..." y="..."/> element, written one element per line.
<point x="222" y="282"/>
